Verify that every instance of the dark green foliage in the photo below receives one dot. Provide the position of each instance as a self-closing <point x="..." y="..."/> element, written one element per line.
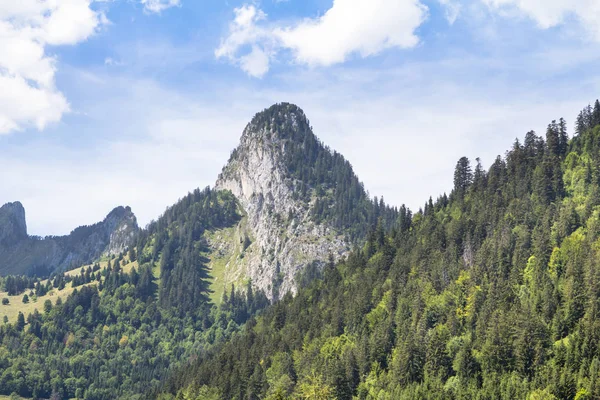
<point x="492" y="292"/>
<point x="463" y="176"/>
<point x="176" y="243"/>
<point x="15" y="285"/>
<point x="85" y="346"/>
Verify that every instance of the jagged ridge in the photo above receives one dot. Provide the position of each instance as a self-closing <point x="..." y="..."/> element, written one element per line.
<point x="23" y="254"/>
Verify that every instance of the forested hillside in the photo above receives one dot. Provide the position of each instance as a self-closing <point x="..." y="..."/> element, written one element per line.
<point x="119" y="331"/>
<point x="117" y="328"/>
<point x="492" y="292"/>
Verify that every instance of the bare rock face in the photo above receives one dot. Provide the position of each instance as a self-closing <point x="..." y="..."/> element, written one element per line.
<point x="284" y="238"/>
<point x="121" y="227"/>
<point x="12" y="223"/>
<point x="23" y="254"/>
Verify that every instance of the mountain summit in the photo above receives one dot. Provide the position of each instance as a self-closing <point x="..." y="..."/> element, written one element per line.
<point x="278" y="204"/>
<point x="302" y="202"/>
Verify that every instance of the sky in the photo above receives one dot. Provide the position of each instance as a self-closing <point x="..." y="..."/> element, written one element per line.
<point x="137" y="102"/>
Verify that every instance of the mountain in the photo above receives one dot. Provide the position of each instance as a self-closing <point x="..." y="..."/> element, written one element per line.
<point x="277" y="201"/>
<point x="23" y="254"/>
<point x="284" y="208"/>
<point x="302" y="203"/>
<point x="284" y="202"/>
<point x="491" y="292"/>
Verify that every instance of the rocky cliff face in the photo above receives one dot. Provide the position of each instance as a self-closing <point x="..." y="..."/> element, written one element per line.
<point x="278" y="225"/>
<point x="121" y="227"/>
<point x="22" y="254"/>
<point x="12" y="223"/>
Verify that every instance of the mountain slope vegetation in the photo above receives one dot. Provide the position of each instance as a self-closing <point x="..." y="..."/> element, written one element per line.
<point x="127" y="321"/>
<point x="492" y="292"/>
<point x="124" y="324"/>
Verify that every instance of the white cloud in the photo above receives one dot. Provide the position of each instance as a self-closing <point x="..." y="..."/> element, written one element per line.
<point x="111" y="62"/>
<point x="244" y="31"/>
<point x="256" y="63"/>
<point x="452" y="10"/>
<point x="28" y="95"/>
<point x="354" y="26"/>
<point x="157" y="6"/>
<point x="349" y="27"/>
<point x="552" y="13"/>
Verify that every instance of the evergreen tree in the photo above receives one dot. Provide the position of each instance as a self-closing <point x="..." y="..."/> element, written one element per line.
<point x="552" y="139"/>
<point x="20" y="321"/>
<point x="463" y="176"/>
<point x="596" y="114"/>
<point x="563" y="138"/>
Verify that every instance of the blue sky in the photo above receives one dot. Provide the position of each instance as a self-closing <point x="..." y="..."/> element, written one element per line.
<point x="136" y="102"/>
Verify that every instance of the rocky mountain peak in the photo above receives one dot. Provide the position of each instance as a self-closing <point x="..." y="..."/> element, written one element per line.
<point x="265" y="174"/>
<point x="274" y="129"/>
<point x="121" y="226"/>
<point x="13" y="227"/>
<point x="288" y="116"/>
<point x="119" y="213"/>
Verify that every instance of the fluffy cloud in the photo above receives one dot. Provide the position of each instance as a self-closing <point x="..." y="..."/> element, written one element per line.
<point x="244" y="30"/>
<point x="28" y="95"/>
<point x="452" y="10"/>
<point x="551" y="13"/>
<point x="349" y="27"/>
<point x="157" y="6"/>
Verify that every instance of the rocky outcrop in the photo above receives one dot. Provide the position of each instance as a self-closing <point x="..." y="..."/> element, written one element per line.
<point x="121" y="227"/>
<point x="284" y="238"/>
<point x="12" y="223"/>
<point x="22" y="254"/>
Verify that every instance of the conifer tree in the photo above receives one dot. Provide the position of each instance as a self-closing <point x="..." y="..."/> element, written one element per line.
<point x="463" y="176"/>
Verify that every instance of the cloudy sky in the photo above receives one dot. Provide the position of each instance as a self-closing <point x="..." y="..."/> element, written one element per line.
<point x="137" y="102"/>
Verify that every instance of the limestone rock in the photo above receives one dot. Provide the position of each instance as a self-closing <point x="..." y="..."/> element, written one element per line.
<point x="284" y="238"/>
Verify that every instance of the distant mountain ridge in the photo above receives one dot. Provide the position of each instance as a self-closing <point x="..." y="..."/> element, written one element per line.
<point x="24" y="254"/>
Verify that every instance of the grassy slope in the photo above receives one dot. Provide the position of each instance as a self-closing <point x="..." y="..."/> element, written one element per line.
<point x="225" y="252"/>
<point x="16" y="302"/>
